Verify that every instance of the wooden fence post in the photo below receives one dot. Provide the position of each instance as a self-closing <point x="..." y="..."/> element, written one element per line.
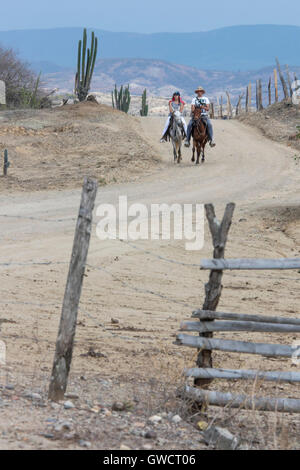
<point x="269" y="91"/>
<point x="229" y="107"/>
<point x="250" y="96"/>
<point x="285" y="90"/>
<point x="276" y="85"/>
<point x="289" y="80"/>
<point x="213" y="288"/>
<point x="247" y="100"/>
<point x="6" y="163"/>
<point x="221" y="107"/>
<point x="212" y="112"/>
<point x="256" y="96"/>
<point x="66" y="332"/>
<point x="260" y="100"/>
<point x="239" y="105"/>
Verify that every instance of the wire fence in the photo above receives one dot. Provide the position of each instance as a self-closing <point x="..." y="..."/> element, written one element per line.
<point x="138" y="289"/>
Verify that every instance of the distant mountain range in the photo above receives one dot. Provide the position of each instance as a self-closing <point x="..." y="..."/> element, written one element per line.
<point x="162" y="78"/>
<point x="237" y="48"/>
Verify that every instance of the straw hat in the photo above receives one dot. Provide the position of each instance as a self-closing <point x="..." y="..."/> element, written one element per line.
<point x="200" y="88"/>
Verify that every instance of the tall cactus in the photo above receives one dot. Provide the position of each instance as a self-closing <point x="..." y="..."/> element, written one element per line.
<point x="121" y="99"/>
<point x="86" y="59"/>
<point x="145" y="107"/>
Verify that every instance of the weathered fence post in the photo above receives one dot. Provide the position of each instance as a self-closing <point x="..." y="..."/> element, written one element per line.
<point x="218" y="106"/>
<point x="66" y="332"/>
<point x="284" y="87"/>
<point x="229" y="107"/>
<point x="247" y="100"/>
<point x="239" y="105"/>
<point x="276" y="85"/>
<point x="6" y="163"/>
<point x="250" y="96"/>
<point x="212" y="112"/>
<point x="260" y="99"/>
<point x="289" y="80"/>
<point x="256" y="96"/>
<point x="269" y="91"/>
<point x="221" y="107"/>
<point x="213" y="288"/>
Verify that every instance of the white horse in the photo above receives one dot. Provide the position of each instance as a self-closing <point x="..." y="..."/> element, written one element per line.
<point x="176" y="133"/>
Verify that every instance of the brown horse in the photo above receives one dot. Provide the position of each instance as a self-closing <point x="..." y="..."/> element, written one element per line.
<point x="200" y="137"/>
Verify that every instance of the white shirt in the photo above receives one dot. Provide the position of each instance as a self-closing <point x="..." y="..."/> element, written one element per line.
<point x="197" y="102"/>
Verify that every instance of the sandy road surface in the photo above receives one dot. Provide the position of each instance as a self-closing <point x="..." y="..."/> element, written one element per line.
<point x="150" y="296"/>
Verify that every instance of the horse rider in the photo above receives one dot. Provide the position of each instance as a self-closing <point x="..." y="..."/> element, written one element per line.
<point x="175" y="104"/>
<point x="202" y="102"/>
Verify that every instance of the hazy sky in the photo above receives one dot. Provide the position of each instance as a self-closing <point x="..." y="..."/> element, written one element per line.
<point x="148" y="17"/>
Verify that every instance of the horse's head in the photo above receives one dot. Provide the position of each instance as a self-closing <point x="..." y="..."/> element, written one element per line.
<point x="177" y="117"/>
<point x="197" y="113"/>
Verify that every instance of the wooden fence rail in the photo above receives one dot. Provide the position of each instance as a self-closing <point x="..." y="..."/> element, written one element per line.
<point x="288" y="405"/>
<point x="233" y="374"/>
<point x="212" y="315"/>
<point x="239" y="326"/>
<point x="249" y="264"/>
<point x="212" y="321"/>
<point x="262" y="349"/>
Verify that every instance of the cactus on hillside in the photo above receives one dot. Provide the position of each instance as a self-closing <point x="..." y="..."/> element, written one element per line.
<point x="145" y="107"/>
<point x="86" y="59"/>
<point x="121" y="99"/>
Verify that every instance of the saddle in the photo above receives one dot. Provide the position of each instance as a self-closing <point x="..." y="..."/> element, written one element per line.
<point x="196" y="117"/>
<point x="167" y="135"/>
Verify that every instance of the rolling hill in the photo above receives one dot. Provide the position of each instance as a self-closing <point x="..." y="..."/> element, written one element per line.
<point x="232" y="49"/>
<point x="160" y="78"/>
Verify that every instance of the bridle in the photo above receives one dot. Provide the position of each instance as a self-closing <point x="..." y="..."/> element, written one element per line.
<point x="199" y="120"/>
<point x="177" y="124"/>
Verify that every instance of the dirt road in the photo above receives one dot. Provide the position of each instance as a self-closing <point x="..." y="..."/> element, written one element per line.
<point x="149" y="295"/>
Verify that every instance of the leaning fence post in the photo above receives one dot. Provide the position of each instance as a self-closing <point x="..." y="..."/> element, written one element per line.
<point x="66" y="332"/>
<point x="269" y="91"/>
<point x="289" y="80"/>
<point x="260" y="99"/>
<point x="229" y="107"/>
<point x="247" y="100"/>
<point x="276" y="85"/>
<point x="284" y="87"/>
<point x="250" y="96"/>
<point x="221" y="107"/>
<point x="213" y="288"/>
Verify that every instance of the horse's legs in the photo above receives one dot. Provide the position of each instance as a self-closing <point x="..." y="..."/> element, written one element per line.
<point x="179" y="153"/>
<point x="193" y="157"/>
<point x="174" y="152"/>
<point x="203" y="152"/>
<point x="198" y="154"/>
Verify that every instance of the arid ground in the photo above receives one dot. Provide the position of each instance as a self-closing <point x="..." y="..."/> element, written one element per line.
<point x="147" y="288"/>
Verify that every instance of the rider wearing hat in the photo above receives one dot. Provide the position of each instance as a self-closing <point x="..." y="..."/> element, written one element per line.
<point x="175" y="104"/>
<point x="200" y="101"/>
